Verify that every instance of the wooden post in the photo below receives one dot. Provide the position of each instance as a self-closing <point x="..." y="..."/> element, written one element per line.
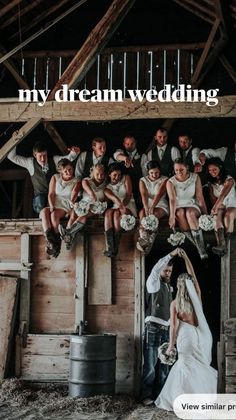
<point x="139" y="280"/>
<point x="25" y="286"/>
<point x="225" y="288"/>
<point x="80" y="270"/>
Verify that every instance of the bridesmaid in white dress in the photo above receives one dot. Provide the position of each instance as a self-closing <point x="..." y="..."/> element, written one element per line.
<point x="153" y="193"/>
<point x="187" y="204"/>
<point x="223" y="197"/>
<point x="63" y="190"/>
<point x="192" y="373"/>
<point x="119" y="191"/>
<point x="93" y="190"/>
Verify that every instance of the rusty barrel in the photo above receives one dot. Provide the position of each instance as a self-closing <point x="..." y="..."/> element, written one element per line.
<point x="92" y="365"/>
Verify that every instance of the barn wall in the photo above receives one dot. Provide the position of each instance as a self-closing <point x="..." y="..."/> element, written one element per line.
<point x="110" y="302"/>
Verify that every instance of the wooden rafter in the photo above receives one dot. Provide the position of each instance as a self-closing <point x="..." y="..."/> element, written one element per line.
<point x="23" y="11"/>
<point x="205" y="52"/>
<point x="78" y="67"/>
<point x="93" y="45"/>
<point x="52" y="131"/>
<point x="231" y="71"/>
<point x="41" y="31"/>
<point x="41" y="17"/>
<point x="125" y="110"/>
<point x="23" y="132"/>
<point x="9" y="6"/>
<point x="195" y="12"/>
<point x="204" y="9"/>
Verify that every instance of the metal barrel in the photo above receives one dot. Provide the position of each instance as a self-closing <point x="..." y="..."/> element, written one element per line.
<point x="92" y="365"/>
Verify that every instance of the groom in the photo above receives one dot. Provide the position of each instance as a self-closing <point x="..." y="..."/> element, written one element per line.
<point x="157" y="323"/>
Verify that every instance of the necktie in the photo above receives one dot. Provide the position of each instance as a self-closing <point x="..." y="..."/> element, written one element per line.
<point x="161" y="152"/>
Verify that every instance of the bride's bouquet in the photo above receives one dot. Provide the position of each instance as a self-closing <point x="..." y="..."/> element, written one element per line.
<point x="150" y="222"/>
<point x="127" y="222"/>
<point x="206" y="222"/>
<point x="81" y="208"/>
<point x="176" y="238"/>
<point x="98" y="207"/>
<point x="167" y="359"/>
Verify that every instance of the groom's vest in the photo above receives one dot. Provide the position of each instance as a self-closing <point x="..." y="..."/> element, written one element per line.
<point x="159" y="302"/>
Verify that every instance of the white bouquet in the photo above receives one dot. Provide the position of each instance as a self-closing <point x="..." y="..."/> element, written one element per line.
<point x="127" y="222"/>
<point x="98" y="207"/>
<point x="150" y="222"/>
<point x="81" y="208"/>
<point x="206" y="222"/>
<point x="176" y="238"/>
<point x="164" y="358"/>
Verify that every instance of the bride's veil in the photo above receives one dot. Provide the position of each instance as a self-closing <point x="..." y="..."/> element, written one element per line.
<point x="205" y="337"/>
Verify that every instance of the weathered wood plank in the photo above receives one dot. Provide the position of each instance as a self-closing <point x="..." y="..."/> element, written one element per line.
<point x="125" y="110"/>
<point x="22" y="133"/>
<point x="230" y="366"/>
<point x="25" y="283"/>
<point x="81" y="277"/>
<point x="8" y="299"/>
<point x="54" y="323"/>
<point x="52" y="304"/>
<point x="123" y="269"/>
<point x="230" y="345"/>
<point x="99" y="273"/>
<point x="47" y="345"/>
<point x="230" y="327"/>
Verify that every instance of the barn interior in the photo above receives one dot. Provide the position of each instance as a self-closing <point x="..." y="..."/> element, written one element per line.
<point x="108" y="45"/>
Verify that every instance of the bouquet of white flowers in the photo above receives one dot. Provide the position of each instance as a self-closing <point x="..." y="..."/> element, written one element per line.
<point x="127" y="222"/>
<point x="81" y="208"/>
<point x="176" y="238"/>
<point x="164" y="358"/>
<point x="98" y="207"/>
<point x="206" y="222"/>
<point x="150" y="222"/>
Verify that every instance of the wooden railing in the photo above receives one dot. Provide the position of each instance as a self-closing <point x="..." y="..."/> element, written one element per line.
<point x="149" y="67"/>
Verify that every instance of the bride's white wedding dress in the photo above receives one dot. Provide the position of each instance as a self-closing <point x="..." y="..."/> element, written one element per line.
<point x="192" y="373"/>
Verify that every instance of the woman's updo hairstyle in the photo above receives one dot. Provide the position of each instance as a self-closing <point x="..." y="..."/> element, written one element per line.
<point x="115" y="166"/>
<point x="153" y="164"/>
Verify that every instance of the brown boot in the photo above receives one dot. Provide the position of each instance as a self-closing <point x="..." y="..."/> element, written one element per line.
<point x="221" y="248"/>
<point x="109" y="238"/>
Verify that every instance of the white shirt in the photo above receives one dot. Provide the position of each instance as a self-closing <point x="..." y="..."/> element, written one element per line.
<point x="28" y="162"/>
<point x="79" y="169"/>
<point x="175" y="154"/>
<point x="154" y="283"/>
<point x="212" y="153"/>
<point x="132" y="155"/>
<point x="194" y="152"/>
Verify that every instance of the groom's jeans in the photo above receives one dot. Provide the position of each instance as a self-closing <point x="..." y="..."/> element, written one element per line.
<point x="154" y="372"/>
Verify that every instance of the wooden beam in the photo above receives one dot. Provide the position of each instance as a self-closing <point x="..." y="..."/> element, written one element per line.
<point x="41" y="17"/>
<point x="41" y="31"/>
<point x="109" y="111"/>
<point x="52" y="131"/>
<point x="13" y="174"/>
<point x="231" y="71"/>
<point x="22" y="133"/>
<point x="201" y="8"/>
<point x="80" y="272"/>
<point x="97" y="39"/>
<point x="23" y="11"/>
<point x="113" y="50"/>
<point x="9" y="6"/>
<point x="195" y="12"/>
<point x="25" y="285"/>
<point x="14" y="72"/>
<point x="56" y="137"/>
<point x="205" y="52"/>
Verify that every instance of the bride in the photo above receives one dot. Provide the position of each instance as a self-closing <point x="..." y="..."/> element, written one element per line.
<point x="192" y="373"/>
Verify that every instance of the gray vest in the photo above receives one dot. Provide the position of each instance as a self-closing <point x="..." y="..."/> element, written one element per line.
<point x="159" y="302"/>
<point x="40" y="179"/>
